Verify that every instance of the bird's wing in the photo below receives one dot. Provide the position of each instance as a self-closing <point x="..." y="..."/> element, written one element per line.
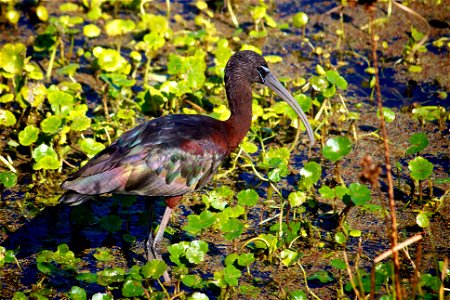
<point x="165" y="157"/>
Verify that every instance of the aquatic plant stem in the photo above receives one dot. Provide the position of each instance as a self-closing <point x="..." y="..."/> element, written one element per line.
<point x="393" y="217"/>
<point x="8" y="163"/>
<point x="52" y="61"/>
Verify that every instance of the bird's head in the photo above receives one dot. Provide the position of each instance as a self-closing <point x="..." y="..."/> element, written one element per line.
<point x="247" y="67"/>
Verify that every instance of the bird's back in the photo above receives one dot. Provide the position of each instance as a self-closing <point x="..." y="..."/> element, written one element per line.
<point x="167" y="156"/>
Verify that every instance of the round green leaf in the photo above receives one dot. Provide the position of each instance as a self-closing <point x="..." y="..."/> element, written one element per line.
<point x="420" y="168"/>
<point x="300" y="19"/>
<point x="327" y="192"/>
<point x="359" y="193"/>
<point x="77" y="293"/>
<point x="42" y="13"/>
<point x="248" y="197"/>
<point x="110" y="60"/>
<point x="336" y="148"/>
<point x="12" y="58"/>
<point x="8" y="179"/>
<point x="249" y="147"/>
<point x="297" y="295"/>
<point x="90" y="146"/>
<point x="51" y="124"/>
<point x="338" y="264"/>
<point x="231" y="275"/>
<point x="154" y="269"/>
<point x="29" y="135"/>
<point x="418" y="141"/>
<point x="339" y="238"/>
<point x="7" y="118"/>
<point x="318" y="83"/>
<point x="102" y="296"/>
<point x="43" y="151"/>
<point x="422" y="220"/>
<point x="132" y="288"/>
<point x="297" y="198"/>
<point x="311" y="173"/>
<point x="91" y="30"/>
<point x="81" y="123"/>
<point x="389" y="114"/>
<point x="198" y="296"/>
<point x="7" y="98"/>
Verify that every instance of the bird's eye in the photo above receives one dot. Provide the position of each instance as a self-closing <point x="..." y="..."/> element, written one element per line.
<point x="263" y="71"/>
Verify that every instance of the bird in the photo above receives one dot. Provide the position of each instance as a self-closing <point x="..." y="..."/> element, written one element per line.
<point x="177" y="154"/>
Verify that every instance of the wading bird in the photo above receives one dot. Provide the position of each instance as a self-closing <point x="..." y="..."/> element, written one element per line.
<point x="177" y="154"/>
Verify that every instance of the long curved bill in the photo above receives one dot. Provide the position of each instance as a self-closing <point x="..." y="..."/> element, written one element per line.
<point x="278" y="88"/>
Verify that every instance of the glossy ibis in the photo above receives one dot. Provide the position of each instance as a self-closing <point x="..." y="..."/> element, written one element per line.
<point x="177" y="154"/>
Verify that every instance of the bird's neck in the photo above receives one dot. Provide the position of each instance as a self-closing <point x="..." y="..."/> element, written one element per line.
<point x="239" y="95"/>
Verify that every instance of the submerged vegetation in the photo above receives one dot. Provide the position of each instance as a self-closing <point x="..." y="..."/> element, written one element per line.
<point x="279" y="220"/>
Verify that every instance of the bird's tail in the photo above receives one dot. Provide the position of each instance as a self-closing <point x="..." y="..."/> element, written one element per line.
<point x="73" y="198"/>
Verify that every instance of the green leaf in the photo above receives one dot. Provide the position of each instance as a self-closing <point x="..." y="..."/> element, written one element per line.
<point x="389" y="114"/>
<point x="248" y="197"/>
<point x="90" y="146"/>
<point x="311" y="173"/>
<point x="300" y="19"/>
<point x="414" y="69"/>
<point x="12" y="57"/>
<point x="297" y="198"/>
<point x="132" y="288"/>
<point x="198" y="296"/>
<point x="110" y="60"/>
<point x="246" y="259"/>
<point x="80" y="123"/>
<point x="29" y="135"/>
<point x="420" y="168"/>
<point x="61" y="102"/>
<point x="422" y="220"/>
<point x="107" y="277"/>
<point x="340" y="238"/>
<point x="332" y="76"/>
<point x="419" y="141"/>
<point x="8" y="179"/>
<point x="196" y="223"/>
<point x="51" y="124"/>
<point x="19" y="296"/>
<point x="91" y="31"/>
<point x="341" y="83"/>
<point x="231" y="275"/>
<point x="338" y="264"/>
<point x="359" y="193"/>
<point x="87" y="277"/>
<point x="318" y="83"/>
<point x="196" y="252"/>
<point x="77" y="293"/>
<point x="336" y="148"/>
<point x="321" y="275"/>
<point x="102" y="255"/>
<point x="232" y="228"/>
<point x="288" y="257"/>
<point x="6" y="98"/>
<point x="297" y="295"/>
<point x="430" y="281"/>
<point x="46" y="158"/>
<point x="154" y="269"/>
<point x="327" y="192"/>
<point x="102" y="296"/>
<point x="7" y="118"/>
<point x="249" y="147"/>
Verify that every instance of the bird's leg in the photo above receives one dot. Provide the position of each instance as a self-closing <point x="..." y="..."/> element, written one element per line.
<point x="162" y="226"/>
<point x="152" y="243"/>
